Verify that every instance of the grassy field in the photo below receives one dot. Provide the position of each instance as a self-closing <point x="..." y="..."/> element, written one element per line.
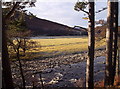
<point x="57" y="46"/>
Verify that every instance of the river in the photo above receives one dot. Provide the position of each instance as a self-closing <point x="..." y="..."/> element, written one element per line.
<point x="54" y="37"/>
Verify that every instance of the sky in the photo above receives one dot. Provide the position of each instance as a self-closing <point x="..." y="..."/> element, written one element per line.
<point x="63" y="12"/>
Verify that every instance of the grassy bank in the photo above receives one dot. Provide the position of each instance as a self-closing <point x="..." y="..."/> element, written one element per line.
<point x="57" y="46"/>
<point x="50" y="47"/>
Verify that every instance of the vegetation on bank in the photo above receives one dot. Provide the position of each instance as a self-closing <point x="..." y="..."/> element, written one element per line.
<point x="58" y="46"/>
<point x="64" y="45"/>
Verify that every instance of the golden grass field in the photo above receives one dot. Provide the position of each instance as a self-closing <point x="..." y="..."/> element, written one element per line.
<point x="62" y="45"/>
<point x="59" y="46"/>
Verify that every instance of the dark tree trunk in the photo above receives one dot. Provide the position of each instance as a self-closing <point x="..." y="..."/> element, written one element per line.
<point x="6" y="72"/>
<point x="42" y="85"/>
<point x="90" y="60"/>
<point x="117" y="62"/>
<point x="115" y="41"/>
<point x="109" y="41"/>
<point x="24" y="48"/>
<point x="21" y="70"/>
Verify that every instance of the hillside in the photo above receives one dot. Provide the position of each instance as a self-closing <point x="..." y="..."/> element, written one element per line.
<point x="48" y="28"/>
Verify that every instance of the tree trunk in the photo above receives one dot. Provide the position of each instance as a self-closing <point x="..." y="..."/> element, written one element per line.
<point x="6" y="72"/>
<point x="115" y="41"/>
<point x="90" y="60"/>
<point x="42" y="85"/>
<point x="109" y="41"/>
<point x="21" y="70"/>
<point x="7" y="75"/>
<point x="117" y="63"/>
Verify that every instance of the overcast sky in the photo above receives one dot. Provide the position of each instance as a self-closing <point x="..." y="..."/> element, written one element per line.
<point x="64" y="13"/>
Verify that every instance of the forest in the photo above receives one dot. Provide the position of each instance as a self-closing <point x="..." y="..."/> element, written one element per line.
<point x="65" y="59"/>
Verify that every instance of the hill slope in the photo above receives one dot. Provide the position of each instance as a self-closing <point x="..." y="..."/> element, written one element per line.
<point x="44" y="27"/>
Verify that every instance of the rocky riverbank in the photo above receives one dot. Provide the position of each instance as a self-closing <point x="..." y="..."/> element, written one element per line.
<point x="64" y="70"/>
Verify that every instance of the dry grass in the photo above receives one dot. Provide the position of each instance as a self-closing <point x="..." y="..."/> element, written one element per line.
<point x="63" y="45"/>
<point x="57" y="46"/>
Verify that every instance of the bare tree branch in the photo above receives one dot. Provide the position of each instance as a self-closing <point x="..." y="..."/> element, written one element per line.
<point x="12" y="11"/>
<point x="85" y="11"/>
<point x="101" y="10"/>
<point x="82" y="29"/>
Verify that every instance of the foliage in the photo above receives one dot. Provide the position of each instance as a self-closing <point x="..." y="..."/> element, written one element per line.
<point x="101" y="22"/>
<point x="9" y="12"/>
<point x="22" y="5"/>
<point x="80" y="6"/>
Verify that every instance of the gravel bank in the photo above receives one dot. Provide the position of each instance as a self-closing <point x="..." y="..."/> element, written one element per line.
<point x="64" y="70"/>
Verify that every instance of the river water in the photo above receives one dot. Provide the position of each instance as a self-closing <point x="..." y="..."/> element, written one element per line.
<point x="54" y="37"/>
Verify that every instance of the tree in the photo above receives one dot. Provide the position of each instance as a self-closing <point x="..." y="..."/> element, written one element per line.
<point x="20" y="64"/>
<point x="101" y="22"/>
<point x="80" y="6"/>
<point x="7" y="76"/>
<point x="115" y="39"/>
<point x="90" y="60"/>
<point x="21" y="43"/>
<point x="109" y="43"/>
<point x="18" y="32"/>
<point x="12" y="7"/>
